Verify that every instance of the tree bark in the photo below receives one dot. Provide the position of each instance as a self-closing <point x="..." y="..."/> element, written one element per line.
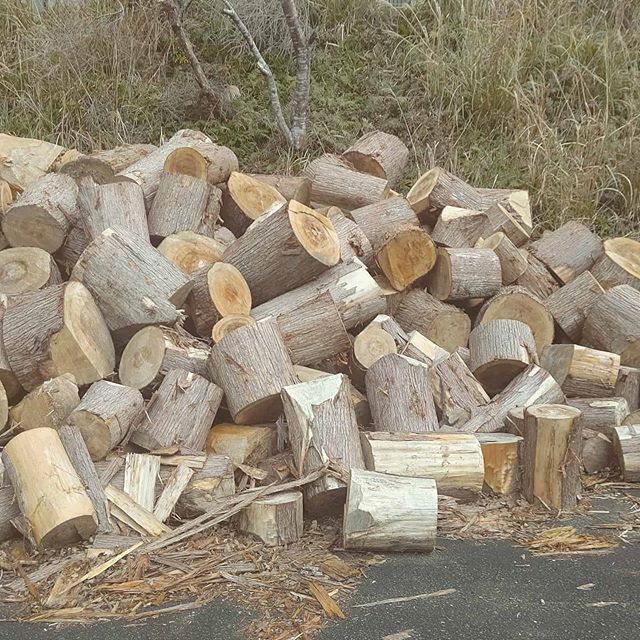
<point x="627" y="444"/>
<point x="26" y="269"/>
<point x="9" y="511"/>
<point x="628" y="387"/>
<point x="276" y="520"/>
<point x="459" y="228"/>
<point x="353" y="241"/>
<point x="513" y="261"/>
<point x="600" y="414"/>
<point x="290" y="187"/>
<point x="537" y="278"/>
<point x="502" y="219"/>
<point x="381" y="217"/>
<point x="620" y="263"/>
<point x="502" y="454"/>
<point x="190" y="251"/>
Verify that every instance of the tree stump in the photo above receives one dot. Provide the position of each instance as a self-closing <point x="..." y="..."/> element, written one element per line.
<point x="627" y="444"/>
<point x="296" y="188"/>
<point x="26" y="269"/>
<point x="501" y="453"/>
<point x="459" y="228"/>
<point x="276" y="520"/>
<point x="190" y="251"/>
<point x="353" y="241"/>
<point x="620" y="263"/>
<point x="628" y="387"/>
<point x="513" y="261"/>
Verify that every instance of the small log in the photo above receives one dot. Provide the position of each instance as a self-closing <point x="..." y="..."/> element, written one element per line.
<point x="229" y="324"/>
<point x="463" y="274"/>
<point x="619" y="264"/>
<point x="129" y="512"/>
<point x="390" y="513"/>
<point x="627" y="444"/>
<point x="552" y="456"/>
<point x="453" y="460"/>
<point x="191" y="251"/>
<point x="25" y="159"/>
<point x="9" y="512"/>
<point x="628" y="387"/>
<point x="612" y="324"/>
<point x="173" y="489"/>
<point x="276" y="520"/>
<point x="537" y="278"/>
<point x="353" y="241"/>
<point x="246" y="199"/>
<point x="284" y="249"/>
<point x="296" y="188"/>
<point x="335" y="182"/>
<point x="400" y="397"/>
<point x="154" y="351"/>
<point x="580" y="371"/>
<point x="54" y="331"/>
<point x="379" y="218"/>
<point x="43" y="213"/>
<point x="132" y="283"/>
<point x="516" y="303"/>
<point x="180" y="412"/>
<point x="104" y="416"/>
<point x="442" y="323"/>
<point x="600" y="414"/>
<point x="369" y="346"/>
<point x="323" y="427"/>
<point x="242" y="444"/>
<point x="500" y="350"/>
<point x="458" y="228"/>
<point x="140" y="474"/>
<point x="422" y="349"/>
<point x="501" y="453"/>
<point x="26" y="269"/>
<point x="51" y="497"/>
<point x="252" y="365"/>
<point x="48" y="405"/>
<point x="598" y="452"/>
<point x="513" y="261"/>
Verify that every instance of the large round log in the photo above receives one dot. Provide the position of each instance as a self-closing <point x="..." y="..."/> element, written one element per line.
<point x="369" y="346"/>
<point x="379" y="218"/>
<point x="620" y="263"/>
<point x="600" y="414"/>
<point x="25" y="269"/>
<point x="191" y="251"/>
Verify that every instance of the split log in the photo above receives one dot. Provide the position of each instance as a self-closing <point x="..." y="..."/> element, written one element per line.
<point x="229" y="324"/>
<point x="129" y="512"/>
<point x="26" y="269"/>
<point x="516" y="303"/>
<point x="284" y="249"/>
<point x="580" y="371"/>
<point x="4" y="416"/>
<point x="43" y="213"/>
<point x="422" y="349"/>
<point x="628" y="387"/>
<point x="620" y="263"/>
<point x="388" y="324"/>
<point x="612" y="324"/>
<point x="132" y="283"/>
<point x="25" y="160"/>
<point x="54" y="331"/>
<point x="537" y="278"/>
<point x="600" y="414"/>
<point x="246" y="199"/>
<point x="242" y="444"/>
<point x="380" y="154"/>
<point x="516" y="202"/>
<point x="353" y="241"/>
<point x="552" y="460"/>
<point x="252" y="365"/>
<point x="369" y="346"/>
<point x="501" y="219"/>
<point x="140" y="474"/>
<point x="9" y="512"/>
<point x="500" y="350"/>
<point x="627" y="444"/>
<point x="513" y="261"/>
<point x="379" y="218"/>
<point x="464" y="274"/>
<point x="322" y="427"/>
<point x="173" y="489"/>
<point x="180" y="412"/>
<point x="390" y="513"/>
<point x="296" y="188"/>
<point x="597" y="451"/>
<point x="568" y="251"/>
<point x="335" y="182"/>
<point x="191" y="251"/>
<point x="104" y="416"/>
<point x="458" y="228"/>
<point x="400" y="397"/>
<point x="501" y="453"/>
<point x="453" y="460"/>
<point x="571" y="304"/>
<point x="154" y="351"/>
<point x="51" y="497"/>
<point x="276" y="520"/>
<point x="48" y="405"/>
<point x="442" y="323"/>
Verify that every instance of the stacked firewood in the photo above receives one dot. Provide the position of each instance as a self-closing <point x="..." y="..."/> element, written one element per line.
<point x="176" y="331"/>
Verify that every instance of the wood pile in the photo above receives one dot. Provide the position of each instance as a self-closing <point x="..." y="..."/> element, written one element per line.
<point x="184" y="344"/>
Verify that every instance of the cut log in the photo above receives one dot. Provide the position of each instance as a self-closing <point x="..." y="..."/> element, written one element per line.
<point x="173" y="489"/>
<point x="612" y="324"/>
<point x="353" y="241"/>
<point x="252" y="365"/>
<point x="48" y="405"/>
<point x="43" y="213"/>
<point x="276" y="520"/>
<point x="154" y="351"/>
<point x="246" y="199"/>
<point x="25" y="160"/>
<point x="463" y="274"/>
<point x="369" y="346"/>
<point x="600" y="414"/>
<point x="229" y="324"/>
<point x="597" y="451"/>
<point x="453" y="460"/>
<point x="513" y="261"/>
<point x="322" y="428"/>
<point x="422" y="349"/>
<point x="186" y="161"/>
<point x="9" y="511"/>
<point x="552" y="460"/>
<point x="104" y="416"/>
<point x="75" y="243"/>
<point x="284" y="249"/>
<point x="571" y="304"/>
<point x="140" y="474"/>
<point x="620" y="263"/>
<point x="501" y="218"/>
<point x="568" y="251"/>
<point x="628" y="387"/>
<point x="390" y="513"/>
<point x="26" y="269"/>
<point x="335" y="182"/>
<point x="54" y="331"/>
<point x="580" y="371"/>
<point x="501" y="453"/>
<point x="388" y="324"/>
<point x="632" y="418"/>
<point x="190" y="251"/>
<point x="129" y="512"/>
<point x="459" y="228"/>
<point x="133" y="284"/>
<point x="296" y="188"/>
<point x="537" y="278"/>
<point x="379" y="218"/>
<point x="627" y="444"/>
<point x="514" y="422"/>
<point x="442" y="323"/>
<point x="500" y="350"/>
<point x="242" y="444"/>
<point x="51" y="497"/>
<point x="516" y="303"/>
<point x="219" y="290"/>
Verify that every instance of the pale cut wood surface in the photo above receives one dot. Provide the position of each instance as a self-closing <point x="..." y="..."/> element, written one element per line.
<point x="191" y="251"/>
<point x="501" y="453"/>
<point x="243" y="444"/>
<point x="25" y="160"/>
<point x="173" y="488"/>
<point x="513" y="261"/>
<point x="620" y="263"/>
<point x="128" y="511"/>
<point x="291" y="187"/>
<point x="140" y="473"/>
<point x="276" y="520"/>
<point x="25" y="269"/>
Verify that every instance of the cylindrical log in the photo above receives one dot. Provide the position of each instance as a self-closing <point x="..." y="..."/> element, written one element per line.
<point x="8" y="379"/>
<point x="244" y="444"/>
<point x="54" y="331"/>
<point x="400" y="396"/>
<point x="191" y="251"/>
<point x="514" y="422"/>
<point x="500" y="350"/>
<point x="252" y="365"/>
<point x="369" y="346"/>
<point x="52" y="499"/>
<point x="43" y="213"/>
<point x="390" y="513"/>
<point x="276" y="520"/>
<point x="353" y="241"/>
<point x="75" y="243"/>
<point x="229" y="324"/>
<point x="627" y="444"/>
<point x="463" y="274"/>
<point x="502" y="218"/>
<point x="501" y="453"/>
<point x="580" y="371"/>
<point x="513" y="261"/>
<point x="104" y="416"/>
<point x="612" y="324"/>
<point x="379" y="218"/>
<point x="552" y="456"/>
<point x="597" y="451"/>
<point x="290" y="187"/>
<point x="26" y="269"/>
<point x="628" y="387"/>
<point x="600" y="414"/>
<point x="283" y="250"/>
<point x="458" y="228"/>
<point x="620" y="263"/>
<point x="536" y="278"/>
<point x="388" y="324"/>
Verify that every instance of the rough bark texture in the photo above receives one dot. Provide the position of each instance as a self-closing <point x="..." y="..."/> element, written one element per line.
<point x="600" y="414"/>
<point x="353" y="241"/>
<point x="627" y="443"/>
<point x="513" y="261"/>
<point x="379" y="218"/>
<point x="620" y="263"/>
<point x="501" y="218"/>
<point x="276" y="520"/>
<point x="9" y="510"/>
<point x="628" y="387"/>
<point x="458" y="227"/>
<point x="502" y="454"/>
<point x="537" y="278"/>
